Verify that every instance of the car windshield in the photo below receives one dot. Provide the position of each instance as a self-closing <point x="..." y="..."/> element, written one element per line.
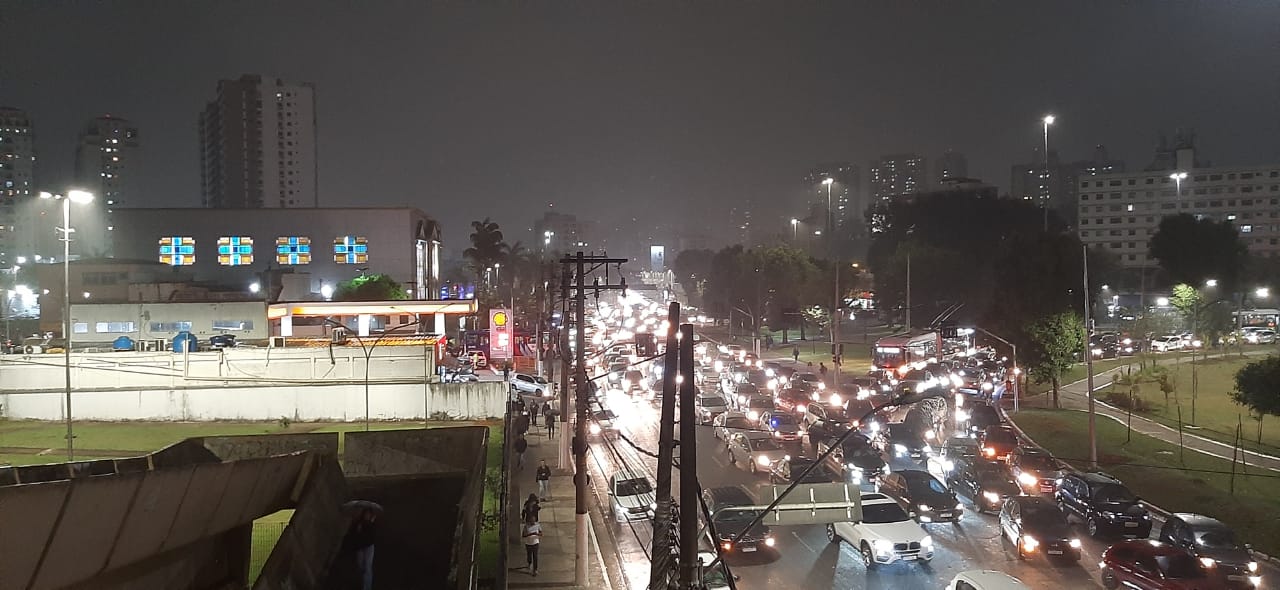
<point x="617" y="367"/>
<point x="736" y="516"/>
<point x="780" y="420"/>
<point x="1179" y="566"/>
<point x="1216" y="538"/>
<point x="1001" y="437"/>
<point x="711" y="400"/>
<point x="764" y="444"/>
<point x="808" y="377"/>
<point x="1037" y="463"/>
<point x="923" y="483"/>
<point x="1043" y="517"/>
<point x="860" y="450"/>
<point x="1114" y="493"/>
<point x="760" y="402"/>
<point x="632" y="487"/>
<point x="737" y="422"/>
<point x="882" y="513"/>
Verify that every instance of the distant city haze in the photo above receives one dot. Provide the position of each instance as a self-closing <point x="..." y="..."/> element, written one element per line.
<point x="667" y="113"/>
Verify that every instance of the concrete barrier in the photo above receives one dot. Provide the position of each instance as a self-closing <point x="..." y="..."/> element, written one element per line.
<point x="315" y="402"/>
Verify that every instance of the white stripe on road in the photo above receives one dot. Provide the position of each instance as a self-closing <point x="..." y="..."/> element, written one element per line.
<point x="806" y="545"/>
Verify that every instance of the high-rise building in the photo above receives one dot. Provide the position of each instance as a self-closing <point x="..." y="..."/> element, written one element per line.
<point x="1119" y="212"/>
<point x="898" y="174"/>
<point x="1056" y="183"/>
<point x="107" y="166"/>
<point x="846" y="202"/>
<point x="951" y="164"/>
<point x="17" y="186"/>
<point x="560" y="232"/>
<point x="258" y="145"/>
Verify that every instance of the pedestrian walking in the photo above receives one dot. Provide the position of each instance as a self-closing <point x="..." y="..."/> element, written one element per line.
<point x="531" y="509"/>
<point x="534" y="409"/>
<point x="521" y="422"/>
<point x="550" y="414"/>
<point x="361" y="536"/>
<point x="521" y="446"/>
<point x="531" y="534"/>
<point x="795" y="353"/>
<point x="544" y="480"/>
<point x="506" y="372"/>
<point x="822" y="370"/>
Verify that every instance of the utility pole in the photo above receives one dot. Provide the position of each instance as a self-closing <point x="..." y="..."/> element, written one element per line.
<point x="660" y="568"/>
<point x="1088" y="364"/>
<point x="583" y="391"/>
<point x="908" y="322"/>
<point x="562" y="346"/>
<point x="689" y="501"/>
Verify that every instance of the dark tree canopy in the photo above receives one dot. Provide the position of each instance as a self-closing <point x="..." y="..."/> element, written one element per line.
<point x="1192" y="250"/>
<point x="1258" y="386"/>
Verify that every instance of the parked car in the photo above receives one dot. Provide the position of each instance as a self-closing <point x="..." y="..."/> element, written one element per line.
<point x="922" y="495"/>
<point x="985" y="580"/>
<point x="1215" y="544"/>
<point x="530" y="385"/>
<point x="632" y="496"/>
<point x="1152" y="565"/>
<point x="729" y="522"/>
<point x="1167" y="344"/>
<point x="1035" y="470"/>
<point x="1260" y="337"/>
<point x="790" y="469"/>
<point x="987" y="483"/>
<point x="754" y="451"/>
<point x="886" y="534"/>
<point x="1035" y="525"/>
<point x="1104" y="504"/>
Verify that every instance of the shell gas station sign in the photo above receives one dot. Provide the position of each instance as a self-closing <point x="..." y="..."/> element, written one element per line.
<point x="500" y="334"/>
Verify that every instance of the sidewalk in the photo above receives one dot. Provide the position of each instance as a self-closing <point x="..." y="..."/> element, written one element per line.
<point x="1074" y="396"/>
<point x="558" y="517"/>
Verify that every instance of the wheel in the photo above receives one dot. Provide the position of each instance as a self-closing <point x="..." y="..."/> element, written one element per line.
<point x="1093" y="527"/>
<point x="752" y="468"/>
<point x="832" y="535"/>
<point x="868" y="558"/>
<point x="1017" y="547"/>
<point x="732" y="460"/>
<point x="1109" y="580"/>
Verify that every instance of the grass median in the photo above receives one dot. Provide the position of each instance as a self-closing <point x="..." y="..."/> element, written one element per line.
<point x="1161" y="475"/>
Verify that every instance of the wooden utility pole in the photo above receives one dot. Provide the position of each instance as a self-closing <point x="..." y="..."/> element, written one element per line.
<point x="660" y="566"/>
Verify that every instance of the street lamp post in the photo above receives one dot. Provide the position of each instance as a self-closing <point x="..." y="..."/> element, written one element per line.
<point x="81" y="197"/>
<point x="1044" y="178"/>
<point x="835" y="303"/>
<point x="795" y="230"/>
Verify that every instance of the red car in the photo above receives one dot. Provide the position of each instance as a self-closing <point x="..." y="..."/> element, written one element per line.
<point x="1152" y="565"/>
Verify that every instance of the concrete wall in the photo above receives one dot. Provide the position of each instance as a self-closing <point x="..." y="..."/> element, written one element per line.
<point x="341" y="364"/>
<point x="307" y="547"/>
<point x="388" y="401"/>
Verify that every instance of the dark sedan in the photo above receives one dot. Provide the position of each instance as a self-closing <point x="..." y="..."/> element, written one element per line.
<point x="987" y="483"/>
<point x="1036" y="525"/>
<point x="922" y="494"/>
<point x="1215" y="544"/>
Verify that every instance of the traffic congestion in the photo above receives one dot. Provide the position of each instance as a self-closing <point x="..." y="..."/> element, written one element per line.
<point x="952" y="494"/>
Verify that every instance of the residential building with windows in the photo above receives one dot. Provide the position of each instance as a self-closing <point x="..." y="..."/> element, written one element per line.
<point x="1056" y="182"/>
<point x="1119" y="212"/>
<point x="951" y="164"/>
<point x="107" y="166"/>
<point x="897" y="175"/>
<point x="17" y="186"/>
<point x="846" y="196"/>
<point x="560" y="232"/>
<point x="258" y="145"/>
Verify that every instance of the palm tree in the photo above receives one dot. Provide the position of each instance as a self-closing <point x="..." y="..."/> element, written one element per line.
<point x="486" y="247"/>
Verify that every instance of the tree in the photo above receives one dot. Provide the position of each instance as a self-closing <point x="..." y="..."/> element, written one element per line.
<point x="1056" y="341"/>
<point x="1258" y="388"/>
<point x="486" y="247"/>
<point x="692" y="268"/>
<point x="1191" y="250"/>
<point x="377" y="287"/>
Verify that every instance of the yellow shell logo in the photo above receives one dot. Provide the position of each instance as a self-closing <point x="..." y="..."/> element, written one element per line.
<point x="500" y="319"/>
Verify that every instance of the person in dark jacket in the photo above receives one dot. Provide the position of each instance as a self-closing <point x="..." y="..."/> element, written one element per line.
<point x="521" y="445"/>
<point x="360" y="538"/>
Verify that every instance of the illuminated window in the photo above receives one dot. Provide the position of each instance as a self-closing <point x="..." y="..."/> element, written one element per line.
<point x="350" y="250"/>
<point x="235" y="250"/>
<point x="293" y="250"/>
<point x="178" y="250"/>
<point x="171" y="326"/>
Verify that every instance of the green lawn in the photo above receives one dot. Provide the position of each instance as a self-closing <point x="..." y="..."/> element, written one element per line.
<point x="1216" y="414"/>
<point x="1152" y="469"/>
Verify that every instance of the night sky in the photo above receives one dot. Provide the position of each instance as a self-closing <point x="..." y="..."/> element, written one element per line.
<point x="614" y="110"/>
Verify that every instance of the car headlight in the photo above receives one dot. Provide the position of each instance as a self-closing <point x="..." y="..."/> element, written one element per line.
<point x="1029" y="543"/>
<point x="925" y="508"/>
<point x="753" y="415"/>
<point x="1253" y="566"/>
<point x="822" y="385"/>
<point x="991" y="497"/>
<point x="763" y="461"/>
<point x="899" y="448"/>
<point x="595" y="429"/>
<point x="885" y="469"/>
<point x="1027" y="479"/>
<point x="928" y="450"/>
<point x="1208" y="561"/>
<point x="777" y="433"/>
<point x="803" y="409"/>
<point x="768" y="541"/>
<point x="926" y="542"/>
<point x="1075" y="543"/>
<point x="768" y="372"/>
<point x="835" y="400"/>
<point x="882" y="546"/>
<point x="987" y="386"/>
<point x="1108" y="515"/>
<point x="959" y="506"/>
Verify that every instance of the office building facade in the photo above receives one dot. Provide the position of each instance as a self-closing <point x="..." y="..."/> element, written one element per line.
<point x="258" y="145"/>
<point x="896" y="175"/>
<point x="107" y="166"/>
<point x="1057" y="183"/>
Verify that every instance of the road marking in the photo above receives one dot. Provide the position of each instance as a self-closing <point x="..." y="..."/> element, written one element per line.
<point x="806" y="545"/>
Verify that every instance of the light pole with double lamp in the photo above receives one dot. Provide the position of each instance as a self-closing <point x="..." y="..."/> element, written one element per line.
<point x="81" y="197"/>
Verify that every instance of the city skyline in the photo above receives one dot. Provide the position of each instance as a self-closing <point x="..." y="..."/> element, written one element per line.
<point x="497" y="132"/>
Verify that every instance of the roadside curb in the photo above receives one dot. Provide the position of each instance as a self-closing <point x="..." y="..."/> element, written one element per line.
<point x="1158" y="511"/>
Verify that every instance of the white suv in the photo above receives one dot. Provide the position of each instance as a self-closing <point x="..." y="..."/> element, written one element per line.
<point x="886" y="534"/>
<point x="1166" y="343"/>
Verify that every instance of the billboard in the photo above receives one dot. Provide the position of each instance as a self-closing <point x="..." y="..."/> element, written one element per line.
<point x="500" y="334"/>
<point x="657" y="258"/>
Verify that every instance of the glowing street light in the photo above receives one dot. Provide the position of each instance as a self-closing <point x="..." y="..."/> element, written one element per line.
<point x="1178" y="177"/>
<point x="795" y="223"/>
<point x="1047" y="120"/>
<point x="1211" y="283"/>
<point x="1262" y="292"/>
<point x="254" y="287"/>
<point x="326" y="291"/>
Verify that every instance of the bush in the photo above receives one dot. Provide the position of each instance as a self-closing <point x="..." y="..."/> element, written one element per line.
<point x="1121" y="399"/>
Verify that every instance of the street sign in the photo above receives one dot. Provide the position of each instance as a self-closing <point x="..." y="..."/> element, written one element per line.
<point x="816" y="503"/>
<point x="500" y="333"/>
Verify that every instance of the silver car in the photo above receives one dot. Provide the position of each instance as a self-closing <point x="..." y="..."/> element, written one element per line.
<point x="755" y="451"/>
<point x="632" y="495"/>
<point x="728" y="424"/>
